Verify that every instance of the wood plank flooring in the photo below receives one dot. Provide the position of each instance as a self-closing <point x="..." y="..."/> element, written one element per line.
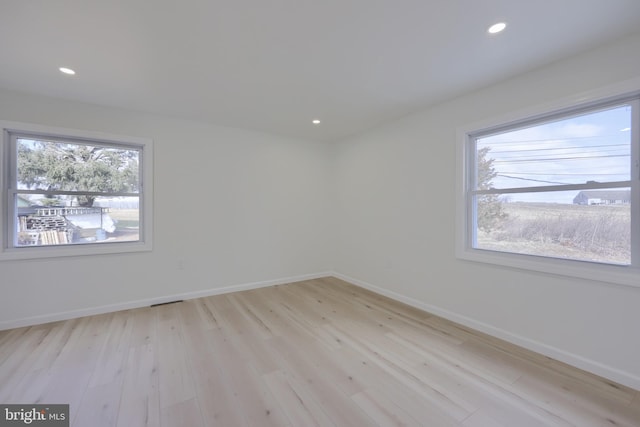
<point x="315" y="353"/>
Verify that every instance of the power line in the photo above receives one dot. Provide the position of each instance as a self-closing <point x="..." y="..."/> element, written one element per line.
<point x="555" y="139"/>
<point x="531" y="179"/>
<point x="567" y="174"/>
<point x="533" y="156"/>
<point x="580" y="147"/>
<point x="561" y="158"/>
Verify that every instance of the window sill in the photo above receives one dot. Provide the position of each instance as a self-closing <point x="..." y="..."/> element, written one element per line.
<point x="607" y="273"/>
<point x="44" y="252"/>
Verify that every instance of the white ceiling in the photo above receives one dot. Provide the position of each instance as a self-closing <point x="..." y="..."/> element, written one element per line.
<point x="274" y="65"/>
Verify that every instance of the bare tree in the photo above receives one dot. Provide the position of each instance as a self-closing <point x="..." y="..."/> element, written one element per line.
<point x="489" y="207"/>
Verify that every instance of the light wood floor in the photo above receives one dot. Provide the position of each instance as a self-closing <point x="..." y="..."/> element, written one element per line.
<point x="320" y="352"/>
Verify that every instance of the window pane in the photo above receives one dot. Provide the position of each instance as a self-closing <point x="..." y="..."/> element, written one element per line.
<point x="44" y="220"/>
<point x="580" y="225"/>
<point x="589" y="147"/>
<point x="60" y="166"/>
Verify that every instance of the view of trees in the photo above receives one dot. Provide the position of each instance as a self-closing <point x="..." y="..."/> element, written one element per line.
<point x="489" y="207"/>
<point x="57" y="166"/>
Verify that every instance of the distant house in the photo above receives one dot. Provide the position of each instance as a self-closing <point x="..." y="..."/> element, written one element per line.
<point x="603" y="197"/>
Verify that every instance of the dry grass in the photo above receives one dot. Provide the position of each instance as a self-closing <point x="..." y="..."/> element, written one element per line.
<point x="127" y="226"/>
<point x="591" y="233"/>
<point x="124" y="214"/>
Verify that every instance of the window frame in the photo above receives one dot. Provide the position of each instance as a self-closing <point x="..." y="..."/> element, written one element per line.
<point x="13" y="130"/>
<point x="465" y="166"/>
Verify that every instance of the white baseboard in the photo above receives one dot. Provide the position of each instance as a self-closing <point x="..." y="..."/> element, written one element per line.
<point x="54" y="317"/>
<point x="575" y="360"/>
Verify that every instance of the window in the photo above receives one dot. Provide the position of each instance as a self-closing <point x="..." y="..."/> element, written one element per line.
<point x="73" y="193"/>
<point x="556" y="191"/>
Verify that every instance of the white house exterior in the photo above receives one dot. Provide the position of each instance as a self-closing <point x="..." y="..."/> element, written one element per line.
<point x="603" y="197"/>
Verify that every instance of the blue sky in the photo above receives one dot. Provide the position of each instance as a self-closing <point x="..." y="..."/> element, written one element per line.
<point x="574" y="150"/>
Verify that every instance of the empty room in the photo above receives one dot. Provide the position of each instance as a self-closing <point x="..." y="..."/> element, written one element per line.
<point x="330" y="213"/>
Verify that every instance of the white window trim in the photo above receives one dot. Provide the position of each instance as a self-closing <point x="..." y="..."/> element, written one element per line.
<point x="622" y="275"/>
<point x="145" y="243"/>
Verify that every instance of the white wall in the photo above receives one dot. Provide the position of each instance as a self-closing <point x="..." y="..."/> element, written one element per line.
<point x="232" y="207"/>
<point x="235" y="207"/>
<point x="396" y="227"/>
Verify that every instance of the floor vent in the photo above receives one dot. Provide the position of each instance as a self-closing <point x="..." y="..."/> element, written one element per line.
<point x="165" y="303"/>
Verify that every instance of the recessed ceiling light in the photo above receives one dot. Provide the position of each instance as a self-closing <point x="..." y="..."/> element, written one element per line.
<point x="67" y="71"/>
<point x="496" y="28"/>
<point x="315" y="122"/>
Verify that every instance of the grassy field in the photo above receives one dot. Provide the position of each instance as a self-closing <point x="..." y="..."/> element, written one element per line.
<point x="127" y="218"/>
<point x="590" y="233"/>
<point x="127" y="225"/>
